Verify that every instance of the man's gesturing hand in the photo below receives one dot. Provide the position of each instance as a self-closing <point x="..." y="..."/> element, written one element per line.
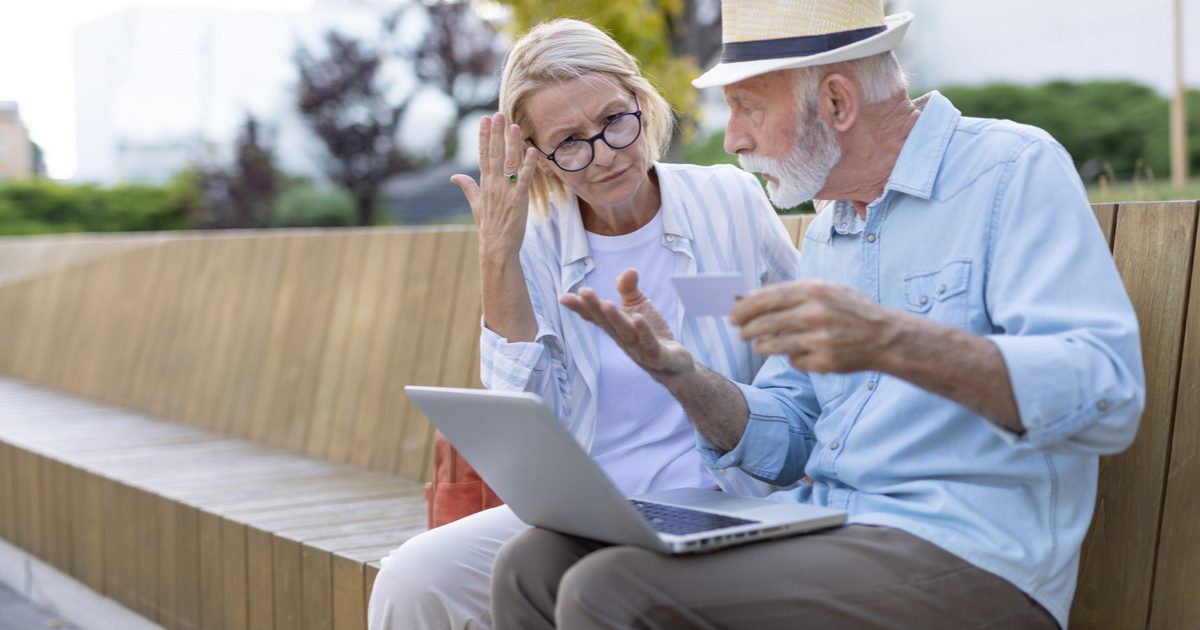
<point x="821" y="327"/>
<point x="636" y="326"/>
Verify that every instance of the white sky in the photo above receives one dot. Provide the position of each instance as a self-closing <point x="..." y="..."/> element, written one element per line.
<point x="36" y="62"/>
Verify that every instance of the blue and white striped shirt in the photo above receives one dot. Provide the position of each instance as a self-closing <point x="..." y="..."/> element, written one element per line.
<point x="714" y="219"/>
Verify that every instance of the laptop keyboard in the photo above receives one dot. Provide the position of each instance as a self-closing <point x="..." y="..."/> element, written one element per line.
<point x="669" y="519"/>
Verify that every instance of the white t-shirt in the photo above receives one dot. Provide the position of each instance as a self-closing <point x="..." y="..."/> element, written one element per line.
<point x="643" y="440"/>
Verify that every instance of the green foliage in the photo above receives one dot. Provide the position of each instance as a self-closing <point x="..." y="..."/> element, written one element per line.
<point x="304" y="205"/>
<point x="707" y="151"/>
<point x="644" y="28"/>
<point x="51" y="207"/>
<point x="1118" y="123"/>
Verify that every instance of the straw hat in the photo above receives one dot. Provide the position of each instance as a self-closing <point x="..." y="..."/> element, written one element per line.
<point x="760" y="36"/>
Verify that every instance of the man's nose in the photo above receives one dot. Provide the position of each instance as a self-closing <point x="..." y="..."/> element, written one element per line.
<point x="737" y="142"/>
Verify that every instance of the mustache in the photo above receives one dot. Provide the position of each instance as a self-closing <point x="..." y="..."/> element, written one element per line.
<point x="756" y="163"/>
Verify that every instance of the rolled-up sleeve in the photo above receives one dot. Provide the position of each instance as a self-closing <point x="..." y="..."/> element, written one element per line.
<point x="779" y="432"/>
<point x="509" y="365"/>
<point x="1065" y="326"/>
<point x="532" y="366"/>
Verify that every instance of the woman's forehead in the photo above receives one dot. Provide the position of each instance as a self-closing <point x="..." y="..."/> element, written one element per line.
<point x="574" y="103"/>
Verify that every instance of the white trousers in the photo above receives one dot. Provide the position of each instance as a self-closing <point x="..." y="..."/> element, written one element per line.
<point x="441" y="579"/>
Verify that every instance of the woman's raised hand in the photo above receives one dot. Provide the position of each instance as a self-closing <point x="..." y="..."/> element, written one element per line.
<point x="500" y="201"/>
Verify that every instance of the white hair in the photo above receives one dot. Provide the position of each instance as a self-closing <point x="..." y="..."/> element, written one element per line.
<point x="879" y="76"/>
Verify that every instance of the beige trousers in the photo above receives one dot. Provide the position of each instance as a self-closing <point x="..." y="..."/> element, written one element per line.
<point x="439" y="580"/>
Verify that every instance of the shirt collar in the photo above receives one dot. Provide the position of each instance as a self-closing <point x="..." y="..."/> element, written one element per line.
<point x="921" y="156"/>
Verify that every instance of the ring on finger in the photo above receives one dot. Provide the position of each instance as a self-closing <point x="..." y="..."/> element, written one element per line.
<point x="512" y="177"/>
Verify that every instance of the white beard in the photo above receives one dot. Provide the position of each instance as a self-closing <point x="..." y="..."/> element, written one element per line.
<point x="800" y="174"/>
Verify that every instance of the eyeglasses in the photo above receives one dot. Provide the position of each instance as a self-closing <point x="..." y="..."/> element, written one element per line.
<point x="576" y="154"/>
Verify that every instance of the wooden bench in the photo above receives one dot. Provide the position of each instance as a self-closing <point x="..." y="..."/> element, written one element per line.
<point x="210" y="428"/>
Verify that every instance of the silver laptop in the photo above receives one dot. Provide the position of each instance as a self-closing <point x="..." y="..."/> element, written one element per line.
<point x="535" y="465"/>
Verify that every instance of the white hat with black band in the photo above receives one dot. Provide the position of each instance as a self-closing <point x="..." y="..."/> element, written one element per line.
<point x="761" y="36"/>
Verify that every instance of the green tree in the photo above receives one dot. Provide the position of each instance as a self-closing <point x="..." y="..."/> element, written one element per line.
<point x="671" y="39"/>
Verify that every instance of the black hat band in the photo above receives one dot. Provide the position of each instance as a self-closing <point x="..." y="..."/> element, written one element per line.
<point x="801" y="46"/>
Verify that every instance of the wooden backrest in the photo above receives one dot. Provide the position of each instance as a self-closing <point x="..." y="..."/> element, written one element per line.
<point x="298" y="339"/>
<point x="1141" y="561"/>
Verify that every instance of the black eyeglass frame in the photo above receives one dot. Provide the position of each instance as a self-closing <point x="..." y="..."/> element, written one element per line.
<point x="591" y="142"/>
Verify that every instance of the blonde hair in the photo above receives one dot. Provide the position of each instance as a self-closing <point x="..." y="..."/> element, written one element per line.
<point x="561" y="50"/>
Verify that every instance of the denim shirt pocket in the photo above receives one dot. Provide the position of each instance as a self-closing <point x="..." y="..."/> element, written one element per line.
<point x="940" y="295"/>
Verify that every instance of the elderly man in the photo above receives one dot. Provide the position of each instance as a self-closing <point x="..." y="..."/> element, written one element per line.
<point x="961" y="354"/>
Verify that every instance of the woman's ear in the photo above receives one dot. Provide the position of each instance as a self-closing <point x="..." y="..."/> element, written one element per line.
<point x="544" y="165"/>
<point x="839" y="101"/>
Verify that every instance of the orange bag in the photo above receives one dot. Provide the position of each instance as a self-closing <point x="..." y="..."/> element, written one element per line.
<point x="456" y="490"/>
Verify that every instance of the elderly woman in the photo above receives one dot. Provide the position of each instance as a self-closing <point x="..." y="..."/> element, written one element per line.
<point x="571" y="196"/>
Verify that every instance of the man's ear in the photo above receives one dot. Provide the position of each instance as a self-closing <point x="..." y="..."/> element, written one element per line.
<point x="839" y="101"/>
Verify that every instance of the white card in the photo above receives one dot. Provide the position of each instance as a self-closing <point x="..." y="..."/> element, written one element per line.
<point x="709" y="293"/>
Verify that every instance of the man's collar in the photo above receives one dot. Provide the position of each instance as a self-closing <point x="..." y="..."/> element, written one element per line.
<point x="921" y="156"/>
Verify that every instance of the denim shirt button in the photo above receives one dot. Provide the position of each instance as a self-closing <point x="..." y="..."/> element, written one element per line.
<point x="833" y="446"/>
<point x="870" y="238"/>
<point x="924" y="300"/>
<point x="941" y="289"/>
<point x="870" y="385"/>
<point x="1102" y="405"/>
<point x="670" y="238"/>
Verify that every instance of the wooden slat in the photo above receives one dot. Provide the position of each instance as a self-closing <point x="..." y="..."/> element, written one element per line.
<point x="1121" y="541"/>
<point x="260" y="578"/>
<point x="168" y="562"/>
<point x="8" y="492"/>
<point x="1177" y="572"/>
<point x="370" y="572"/>
<point x="236" y="575"/>
<point x="286" y="573"/>
<point x="1106" y="216"/>
<point x="202" y="353"/>
<point x="237" y="267"/>
<point x="337" y="374"/>
<point x="417" y="434"/>
<point x="382" y="433"/>
<point x="247" y="373"/>
<point x="461" y="359"/>
<point x="187" y="567"/>
<point x="317" y="588"/>
<point x="163" y="340"/>
<point x="146" y="579"/>
<point x="297" y="339"/>
<point x="390" y="351"/>
<point x="57" y="523"/>
<point x="88" y="529"/>
<point x="376" y="282"/>
<point x="349" y="610"/>
<point x="212" y="575"/>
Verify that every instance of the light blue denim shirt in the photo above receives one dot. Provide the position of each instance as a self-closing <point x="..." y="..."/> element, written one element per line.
<point x="983" y="225"/>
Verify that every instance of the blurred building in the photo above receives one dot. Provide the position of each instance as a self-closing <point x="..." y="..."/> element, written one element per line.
<point x="17" y="161"/>
<point x="1034" y="41"/>
<point x="158" y="88"/>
